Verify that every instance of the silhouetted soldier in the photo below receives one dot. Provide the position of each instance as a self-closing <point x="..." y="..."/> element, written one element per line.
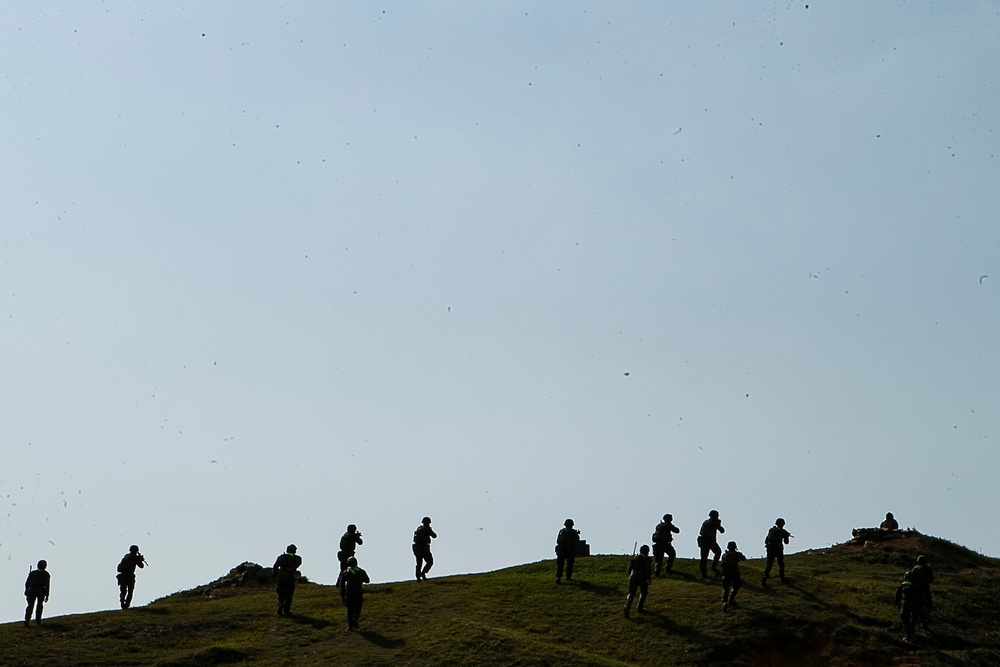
<point x="126" y="575"/>
<point x="889" y="523"/>
<point x="731" y="579"/>
<point x="774" y="545"/>
<point x="663" y="538"/>
<point x="923" y="576"/>
<point x="422" y="537"/>
<point x="348" y="542"/>
<point x="36" y="590"/>
<point x="708" y="541"/>
<point x="912" y="605"/>
<point x="640" y="572"/>
<point x="566" y="542"/>
<point x="350" y="583"/>
<point x="283" y="575"/>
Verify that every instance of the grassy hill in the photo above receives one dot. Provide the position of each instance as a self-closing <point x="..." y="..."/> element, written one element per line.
<point x="837" y="610"/>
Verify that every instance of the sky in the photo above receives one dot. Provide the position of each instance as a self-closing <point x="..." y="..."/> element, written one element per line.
<point x="269" y="269"/>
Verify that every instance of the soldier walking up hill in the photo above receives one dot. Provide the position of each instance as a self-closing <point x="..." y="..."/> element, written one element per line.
<point x="774" y="545"/>
<point x="731" y="579"/>
<point x="640" y="572"/>
<point x="663" y="538"/>
<point x="912" y="605"/>
<point x="348" y="543"/>
<point x="350" y="583"/>
<point x="923" y="576"/>
<point x="283" y="574"/>
<point x="708" y="541"/>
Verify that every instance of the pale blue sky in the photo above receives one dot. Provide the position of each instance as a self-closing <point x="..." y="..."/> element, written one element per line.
<point x="268" y="271"/>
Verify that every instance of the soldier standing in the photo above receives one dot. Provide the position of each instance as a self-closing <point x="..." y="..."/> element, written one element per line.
<point x="126" y="575"/>
<point x="731" y="579"/>
<point x="351" y="582"/>
<point x="283" y="575"/>
<point x="348" y="542"/>
<point x="708" y="541"/>
<point x="36" y="590"/>
<point x="566" y="543"/>
<point x="663" y="539"/>
<point x="774" y="545"/>
<point x="640" y="572"/>
<point x="422" y="537"/>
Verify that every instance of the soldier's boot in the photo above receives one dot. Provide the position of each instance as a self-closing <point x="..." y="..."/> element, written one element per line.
<point x="641" y="608"/>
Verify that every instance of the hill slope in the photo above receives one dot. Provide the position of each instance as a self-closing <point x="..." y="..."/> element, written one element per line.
<point x="836" y="611"/>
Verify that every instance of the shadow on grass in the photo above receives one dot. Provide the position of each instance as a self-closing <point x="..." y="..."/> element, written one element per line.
<point x="812" y="598"/>
<point x="664" y="622"/>
<point x="317" y="623"/>
<point x="48" y="626"/>
<point x="595" y="588"/>
<point x="380" y="640"/>
<point x="155" y="611"/>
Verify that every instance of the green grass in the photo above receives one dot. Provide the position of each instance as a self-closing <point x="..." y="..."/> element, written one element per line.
<point x="836" y="611"/>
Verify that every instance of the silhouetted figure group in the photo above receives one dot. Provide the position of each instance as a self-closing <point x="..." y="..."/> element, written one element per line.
<point x="912" y="596"/>
<point x="642" y="567"/>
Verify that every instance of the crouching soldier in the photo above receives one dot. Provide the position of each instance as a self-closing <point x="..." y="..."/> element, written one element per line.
<point x="350" y="583"/>
<point x="640" y="571"/>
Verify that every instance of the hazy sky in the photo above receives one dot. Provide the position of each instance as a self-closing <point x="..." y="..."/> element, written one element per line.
<point x="268" y="270"/>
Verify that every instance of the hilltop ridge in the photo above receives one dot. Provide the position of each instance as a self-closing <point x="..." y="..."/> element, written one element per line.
<point x="836" y="610"/>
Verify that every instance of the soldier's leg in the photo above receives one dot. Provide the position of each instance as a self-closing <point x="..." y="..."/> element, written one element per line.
<point x="737" y="585"/>
<point x="570" y="558"/>
<point x="31" y="606"/>
<point x="781" y="567"/>
<point x="703" y="562"/>
<point x="671" y="555"/>
<point x="643" y="592"/>
<point x="717" y="551"/>
<point x="129" y="590"/>
<point x="632" y="586"/>
<point x="907" y="617"/>
<point x="657" y="559"/>
<point x="289" y="594"/>
<point x="428" y="562"/>
<point x="560" y="564"/>
<point x="768" y="563"/>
